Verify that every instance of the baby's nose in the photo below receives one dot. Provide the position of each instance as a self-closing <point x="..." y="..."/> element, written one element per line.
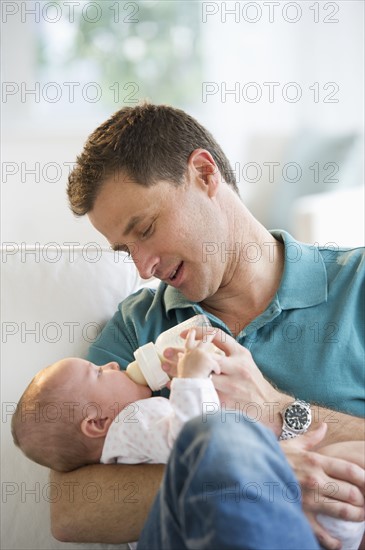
<point x="111" y="366"/>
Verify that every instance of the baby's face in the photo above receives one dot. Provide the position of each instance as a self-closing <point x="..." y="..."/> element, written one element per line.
<point x="107" y="387"/>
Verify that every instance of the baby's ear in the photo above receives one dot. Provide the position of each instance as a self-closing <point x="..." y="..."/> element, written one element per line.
<point x="95" y="427"/>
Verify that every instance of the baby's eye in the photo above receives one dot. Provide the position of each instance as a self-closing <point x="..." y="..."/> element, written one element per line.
<point x="100" y="370"/>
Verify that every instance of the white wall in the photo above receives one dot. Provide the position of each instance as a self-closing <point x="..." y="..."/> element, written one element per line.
<point x="304" y="132"/>
<point x="236" y="51"/>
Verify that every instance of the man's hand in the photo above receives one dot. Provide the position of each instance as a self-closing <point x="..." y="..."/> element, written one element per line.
<point x="330" y="485"/>
<point x="240" y="384"/>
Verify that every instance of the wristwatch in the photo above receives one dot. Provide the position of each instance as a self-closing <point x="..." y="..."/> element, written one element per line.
<point x="297" y="418"/>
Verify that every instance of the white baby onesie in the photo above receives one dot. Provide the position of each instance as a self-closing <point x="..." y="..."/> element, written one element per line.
<point x="146" y="430"/>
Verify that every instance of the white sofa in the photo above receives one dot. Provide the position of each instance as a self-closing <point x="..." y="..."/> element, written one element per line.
<point x="54" y="302"/>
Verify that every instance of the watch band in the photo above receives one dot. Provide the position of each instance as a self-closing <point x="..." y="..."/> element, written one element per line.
<point x="285" y="434"/>
<point x="287" y="431"/>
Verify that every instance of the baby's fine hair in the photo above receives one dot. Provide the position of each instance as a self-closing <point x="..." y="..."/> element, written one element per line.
<point x="46" y="426"/>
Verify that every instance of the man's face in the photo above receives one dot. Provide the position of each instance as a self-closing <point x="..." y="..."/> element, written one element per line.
<point x="167" y="230"/>
<point x="106" y="389"/>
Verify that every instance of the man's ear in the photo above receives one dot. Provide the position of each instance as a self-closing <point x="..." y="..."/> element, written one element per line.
<point x="95" y="427"/>
<point x="204" y="170"/>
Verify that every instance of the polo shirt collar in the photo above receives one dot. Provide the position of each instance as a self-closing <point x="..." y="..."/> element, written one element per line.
<point x="304" y="280"/>
<point x="303" y="284"/>
<point x="174" y="299"/>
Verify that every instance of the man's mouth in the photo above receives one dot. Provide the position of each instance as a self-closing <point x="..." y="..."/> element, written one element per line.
<point x="174" y="274"/>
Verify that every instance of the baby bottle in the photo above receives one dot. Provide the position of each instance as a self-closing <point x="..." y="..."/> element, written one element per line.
<point x="146" y="369"/>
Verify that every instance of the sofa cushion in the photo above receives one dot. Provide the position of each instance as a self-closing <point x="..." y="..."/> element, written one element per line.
<point x="54" y="302"/>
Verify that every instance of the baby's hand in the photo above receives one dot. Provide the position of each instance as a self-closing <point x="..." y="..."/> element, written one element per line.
<point x="197" y="361"/>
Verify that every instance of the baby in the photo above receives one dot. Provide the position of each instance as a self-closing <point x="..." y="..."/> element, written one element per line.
<point x="75" y="413"/>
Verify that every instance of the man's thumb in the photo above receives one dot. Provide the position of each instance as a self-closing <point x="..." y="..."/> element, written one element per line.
<point x="314" y="437"/>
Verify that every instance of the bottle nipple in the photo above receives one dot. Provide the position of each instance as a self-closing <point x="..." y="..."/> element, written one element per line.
<point x="134" y="373"/>
<point x="146" y="369"/>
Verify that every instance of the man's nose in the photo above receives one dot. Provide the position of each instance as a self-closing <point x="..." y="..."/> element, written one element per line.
<point x="146" y="263"/>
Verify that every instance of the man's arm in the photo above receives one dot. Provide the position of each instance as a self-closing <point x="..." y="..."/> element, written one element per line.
<point x="242" y="384"/>
<point x="340" y="426"/>
<point x="103" y="503"/>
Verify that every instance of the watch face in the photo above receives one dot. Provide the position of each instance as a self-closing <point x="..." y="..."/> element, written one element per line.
<point x="296" y="417"/>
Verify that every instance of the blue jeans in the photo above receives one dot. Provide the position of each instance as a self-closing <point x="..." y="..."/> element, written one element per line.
<point x="227" y="485"/>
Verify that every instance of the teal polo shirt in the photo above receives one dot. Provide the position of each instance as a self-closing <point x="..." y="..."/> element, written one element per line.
<point x="309" y="341"/>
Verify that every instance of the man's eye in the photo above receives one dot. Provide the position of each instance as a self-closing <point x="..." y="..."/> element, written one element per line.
<point x="122" y="248"/>
<point x="148" y="231"/>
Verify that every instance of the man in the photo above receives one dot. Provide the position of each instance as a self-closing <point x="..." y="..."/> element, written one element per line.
<point x="157" y="185"/>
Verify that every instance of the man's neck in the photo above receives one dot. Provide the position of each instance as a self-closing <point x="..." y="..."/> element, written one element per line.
<point x="252" y="284"/>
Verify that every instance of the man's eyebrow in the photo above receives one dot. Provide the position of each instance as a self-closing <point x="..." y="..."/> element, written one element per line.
<point x="131" y="224"/>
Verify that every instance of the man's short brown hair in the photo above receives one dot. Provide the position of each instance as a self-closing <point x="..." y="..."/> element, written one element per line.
<point x="148" y="143"/>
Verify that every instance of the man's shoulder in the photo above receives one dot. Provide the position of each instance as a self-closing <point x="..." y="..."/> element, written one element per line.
<point x="144" y="300"/>
<point x="331" y="252"/>
<point x="343" y="263"/>
<point x="144" y="295"/>
<point x="345" y="280"/>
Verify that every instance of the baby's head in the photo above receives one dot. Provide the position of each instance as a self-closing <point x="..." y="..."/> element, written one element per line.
<point x="64" y="414"/>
